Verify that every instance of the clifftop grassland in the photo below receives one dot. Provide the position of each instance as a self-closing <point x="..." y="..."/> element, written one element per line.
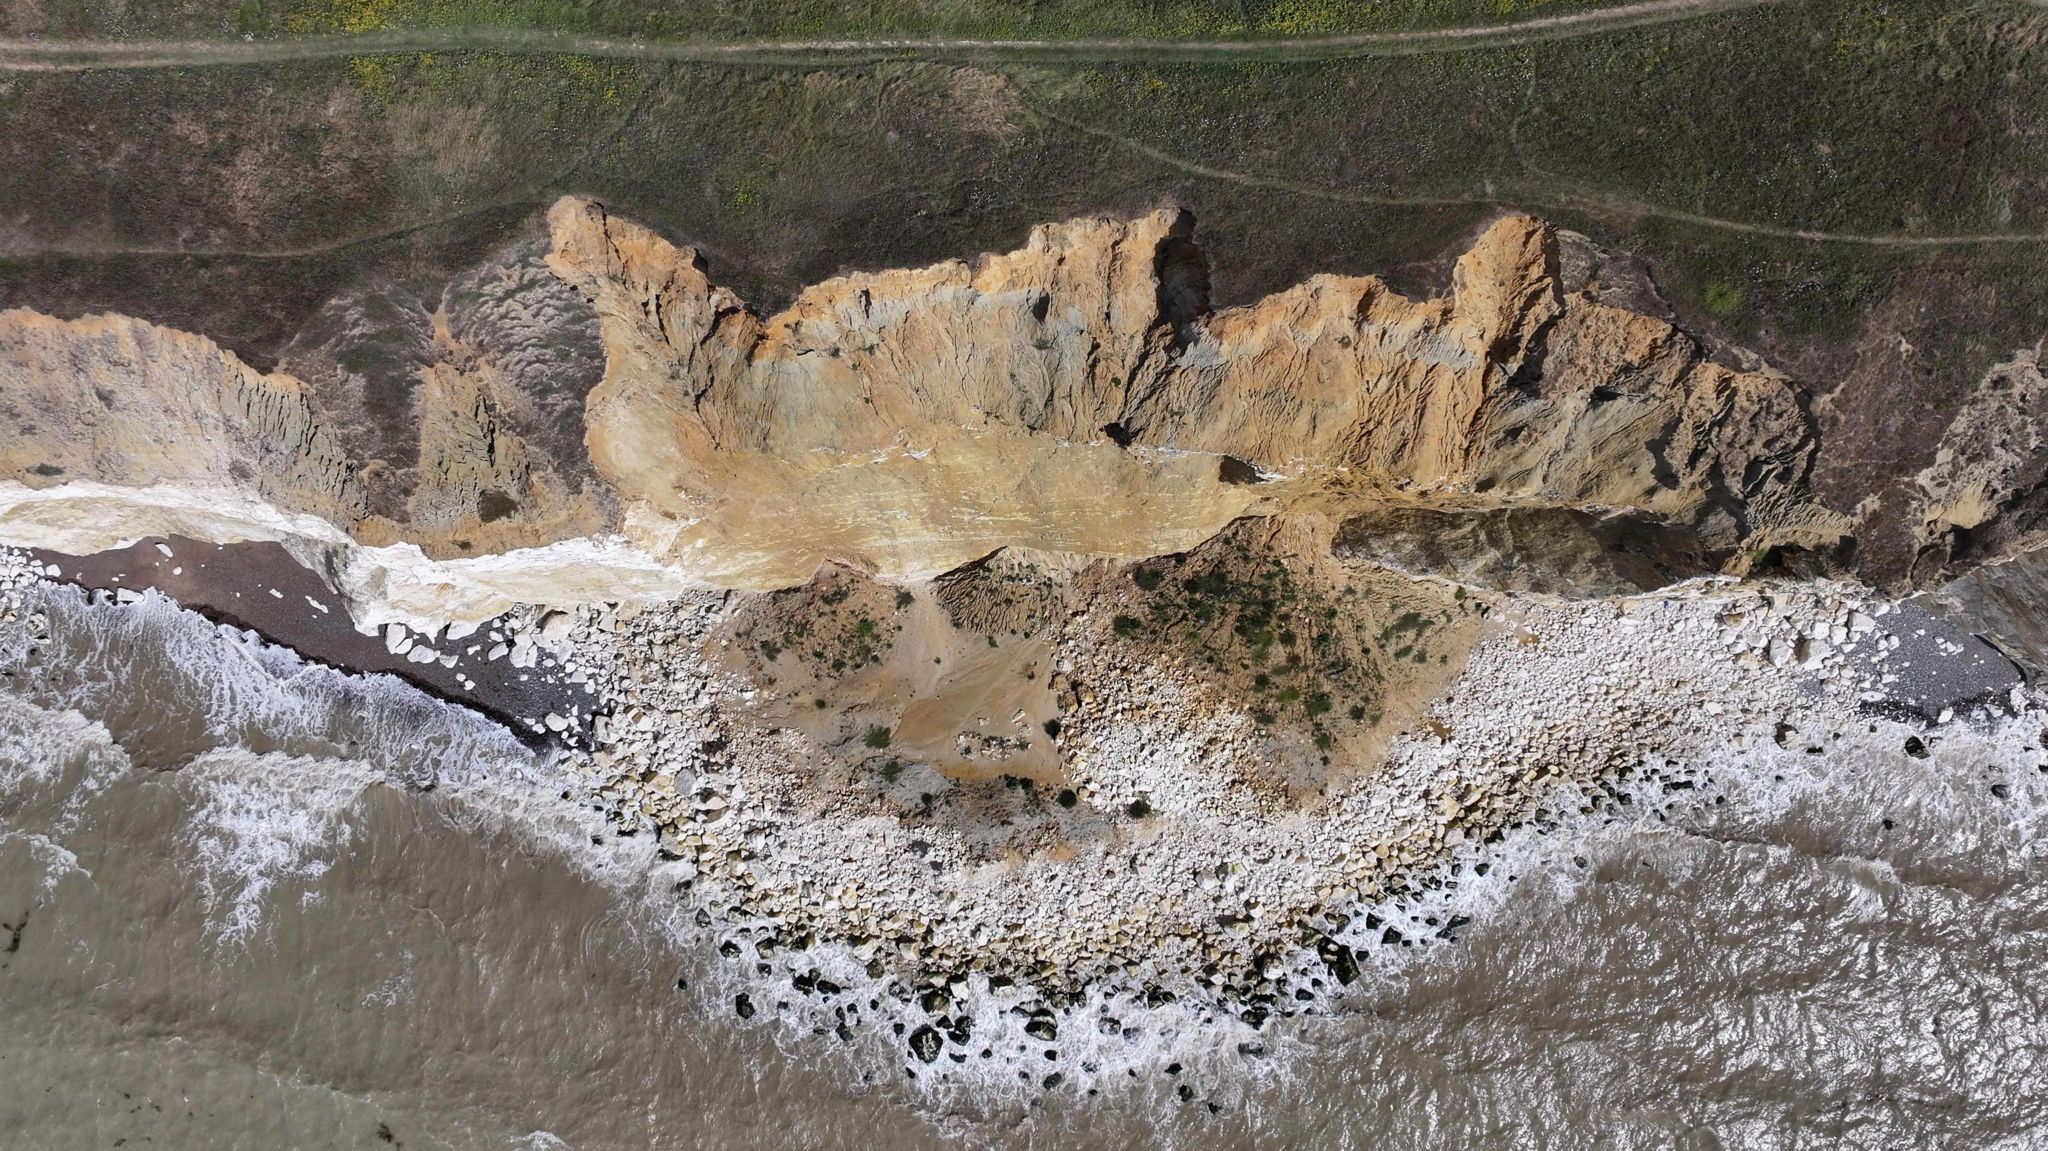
<point x="739" y="19"/>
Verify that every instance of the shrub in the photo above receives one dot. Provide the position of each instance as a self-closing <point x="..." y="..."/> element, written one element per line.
<point x="877" y="737"/>
<point x="1127" y="626"/>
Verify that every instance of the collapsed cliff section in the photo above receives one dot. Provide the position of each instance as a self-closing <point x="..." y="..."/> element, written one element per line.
<point x="462" y="405"/>
<point x="1318" y="661"/>
<point x="1079" y="395"/>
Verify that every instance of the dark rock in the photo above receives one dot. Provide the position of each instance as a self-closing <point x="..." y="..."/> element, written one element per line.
<point x="1339" y="959"/>
<point x="1552" y="551"/>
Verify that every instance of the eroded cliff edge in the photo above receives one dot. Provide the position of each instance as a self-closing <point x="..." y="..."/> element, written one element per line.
<point x="1078" y="395"/>
<point x="1075" y="395"/>
<point x="593" y="387"/>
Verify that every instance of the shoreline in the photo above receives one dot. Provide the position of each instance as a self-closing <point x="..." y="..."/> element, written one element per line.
<point x="959" y="1029"/>
<point x="261" y="587"/>
<point x="1543" y="731"/>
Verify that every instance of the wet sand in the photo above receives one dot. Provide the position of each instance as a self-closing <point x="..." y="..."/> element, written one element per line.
<point x="260" y="587"/>
<point x="1942" y="667"/>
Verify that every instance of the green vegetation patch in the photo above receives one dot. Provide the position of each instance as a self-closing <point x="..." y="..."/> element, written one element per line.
<point x="1302" y="650"/>
<point x="837" y="626"/>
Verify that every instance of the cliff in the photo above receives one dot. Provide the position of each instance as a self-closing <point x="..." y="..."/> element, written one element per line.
<point x="1076" y="395"/>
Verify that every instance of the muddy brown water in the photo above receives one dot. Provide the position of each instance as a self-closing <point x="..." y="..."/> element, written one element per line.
<point x="233" y="916"/>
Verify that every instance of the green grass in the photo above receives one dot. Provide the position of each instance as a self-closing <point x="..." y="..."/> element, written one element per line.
<point x="744" y="19"/>
<point x="1293" y="648"/>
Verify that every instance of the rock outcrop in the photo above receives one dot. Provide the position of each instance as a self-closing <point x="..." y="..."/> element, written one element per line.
<point x="1542" y="551"/>
<point x="1986" y="492"/>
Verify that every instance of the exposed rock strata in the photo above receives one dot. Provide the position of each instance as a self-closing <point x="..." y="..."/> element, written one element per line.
<point x="118" y="401"/>
<point x="1051" y="397"/>
<point x="2006" y="602"/>
<point x="1987" y="490"/>
<point x="1545" y="551"/>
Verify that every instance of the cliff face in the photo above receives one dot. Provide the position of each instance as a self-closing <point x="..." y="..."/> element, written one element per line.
<point x="438" y="422"/>
<point x="117" y="401"/>
<point x="1077" y="395"/>
<point x="909" y="421"/>
<point x="1986" y="493"/>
